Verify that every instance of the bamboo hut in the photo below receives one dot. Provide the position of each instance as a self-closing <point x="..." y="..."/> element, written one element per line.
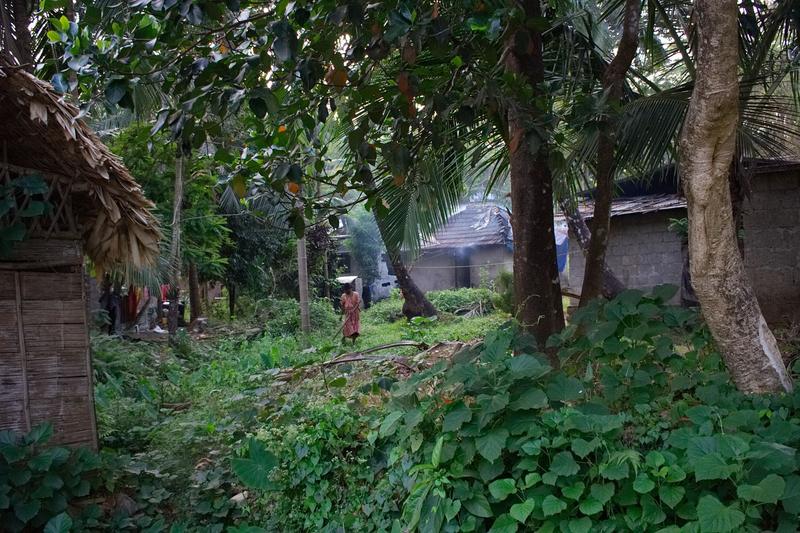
<point x="87" y="204"/>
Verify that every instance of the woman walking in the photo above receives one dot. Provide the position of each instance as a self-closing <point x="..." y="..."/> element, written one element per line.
<point x="351" y="309"/>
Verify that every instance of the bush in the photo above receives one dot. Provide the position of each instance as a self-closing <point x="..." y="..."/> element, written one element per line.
<point x="37" y="484"/>
<point x="461" y="300"/>
<point x="282" y="316"/>
<point x="642" y="430"/>
<point x="503" y="299"/>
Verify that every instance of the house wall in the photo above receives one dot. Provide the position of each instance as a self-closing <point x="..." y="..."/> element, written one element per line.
<point x="642" y="252"/>
<point x="45" y="369"/>
<point x="435" y="270"/>
<point x="771" y="220"/>
<point x="490" y="260"/>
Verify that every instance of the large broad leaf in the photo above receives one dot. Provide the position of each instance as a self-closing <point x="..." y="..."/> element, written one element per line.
<point x="521" y="511"/>
<point x="530" y="399"/>
<point x="712" y="466"/>
<point x="552" y="505"/>
<point x="526" y="366"/>
<point x="491" y="445"/>
<point x="791" y="495"/>
<point x="456" y="417"/>
<point x="502" y="488"/>
<point x="715" y="517"/>
<point x="504" y="524"/>
<point x="255" y="470"/>
<point x="26" y="510"/>
<point x="389" y="424"/>
<point x="671" y="495"/>
<point x="768" y="490"/>
<point x="61" y="523"/>
<point x="565" y="389"/>
<point x="479" y="506"/>
<point x="564" y="464"/>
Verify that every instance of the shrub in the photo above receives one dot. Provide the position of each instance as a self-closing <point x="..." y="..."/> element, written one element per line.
<point x="461" y="300"/>
<point x="37" y="483"/>
<point x="282" y="316"/>
<point x="503" y="298"/>
<point x="642" y="430"/>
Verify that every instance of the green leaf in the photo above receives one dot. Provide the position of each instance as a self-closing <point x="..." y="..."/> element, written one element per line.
<point x="41" y="462"/>
<point x="502" y="488"/>
<point x="614" y="471"/>
<point x="504" y="524"/>
<point x="436" y="455"/>
<point x="258" y="106"/>
<point x="456" y="417"/>
<point x="714" y="517"/>
<point x="255" y="470"/>
<point x="574" y="491"/>
<point x="583" y="448"/>
<point x="53" y="481"/>
<point x="602" y="492"/>
<point x="521" y="511"/>
<point x="451" y="509"/>
<point x="712" y="466"/>
<point x="389" y="424"/>
<point x="643" y="484"/>
<point x="565" y="389"/>
<point x="479" y="506"/>
<point x="491" y="445"/>
<point x="671" y="495"/>
<point x="564" y="464"/>
<point x="590" y="506"/>
<point x="580" y="525"/>
<point x="791" y="495"/>
<point x="341" y="381"/>
<point x="116" y="90"/>
<point x="530" y="399"/>
<point x="54" y="36"/>
<point x="25" y="511"/>
<point x="526" y="366"/>
<point x="412" y="509"/>
<point x="552" y="505"/>
<point x="768" y="490"/>
<point x="61" y="523"/>
<point x="664" y="293"/>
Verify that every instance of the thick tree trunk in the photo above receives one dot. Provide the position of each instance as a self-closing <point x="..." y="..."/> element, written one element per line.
<point x="414" y="301"/>
<point x="302" y="279"/>
<point x="613" y="84"/>
<point x="195" y="299"/>
<point x="537" y="290"/>
<point x="175" y="247"/>
<point x="707" y="147"/>
<point x="612" y="286"/>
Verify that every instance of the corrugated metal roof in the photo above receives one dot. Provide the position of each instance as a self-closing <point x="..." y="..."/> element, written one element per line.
<point x="476" y="224"/>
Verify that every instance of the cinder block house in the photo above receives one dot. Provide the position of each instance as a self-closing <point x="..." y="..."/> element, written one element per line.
<point x="644" y="252"/>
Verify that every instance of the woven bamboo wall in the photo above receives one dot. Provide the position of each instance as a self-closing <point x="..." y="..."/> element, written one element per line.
<point x="45" y="369"/>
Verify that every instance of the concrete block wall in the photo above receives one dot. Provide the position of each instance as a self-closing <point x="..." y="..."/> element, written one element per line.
<point x="642" y="251"/>
<point x="771" y="219"/>
<point x="433" y="270"/>
<point x="490" y="261"/>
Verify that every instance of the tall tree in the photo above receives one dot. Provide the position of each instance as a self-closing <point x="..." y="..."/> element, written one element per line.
<point x="175" y="245"/>
<point x="613" y="84"/>
<point x="707" y="147"/>
<point x="537" y="290"/>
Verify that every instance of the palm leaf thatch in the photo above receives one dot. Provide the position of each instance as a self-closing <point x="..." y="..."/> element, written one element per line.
<point x="43" y="133"/>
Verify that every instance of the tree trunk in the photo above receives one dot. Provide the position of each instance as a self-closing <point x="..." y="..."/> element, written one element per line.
<point x="175" y="247"/>
<point x="707" y="147"/>
<point x="195" y="298"/>
<point x="613" y="84"/>
<point x="537" y="291"/>
<point x="302" y="278"/>
<point x="231" y="300"/>
<point x="415" y="303"/>
<point x="612" y="286"/>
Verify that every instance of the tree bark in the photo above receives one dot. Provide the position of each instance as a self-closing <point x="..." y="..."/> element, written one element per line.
<point x="537" y="290"/>
<point x="175" y="247"/>
<point x="302" y="279"/>
<point x="415" y="303"/>
<point x="195" y="299"/>
<point x="707" y="147"/>
<point x="612" y="286"/>
<point x="231" y="300"/>
<point x="613" y="84"/>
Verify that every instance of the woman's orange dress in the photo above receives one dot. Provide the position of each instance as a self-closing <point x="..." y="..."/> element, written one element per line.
<point x="352" y="312"/>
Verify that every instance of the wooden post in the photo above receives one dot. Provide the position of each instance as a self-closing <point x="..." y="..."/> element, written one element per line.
<point x="22" y="353"/>
<point x="302" y="277"/>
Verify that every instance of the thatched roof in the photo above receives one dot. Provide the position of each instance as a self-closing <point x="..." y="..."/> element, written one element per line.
<point x="40" y="131"/>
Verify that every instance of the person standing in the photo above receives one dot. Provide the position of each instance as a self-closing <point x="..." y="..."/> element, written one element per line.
<point x="351" y="309"/>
